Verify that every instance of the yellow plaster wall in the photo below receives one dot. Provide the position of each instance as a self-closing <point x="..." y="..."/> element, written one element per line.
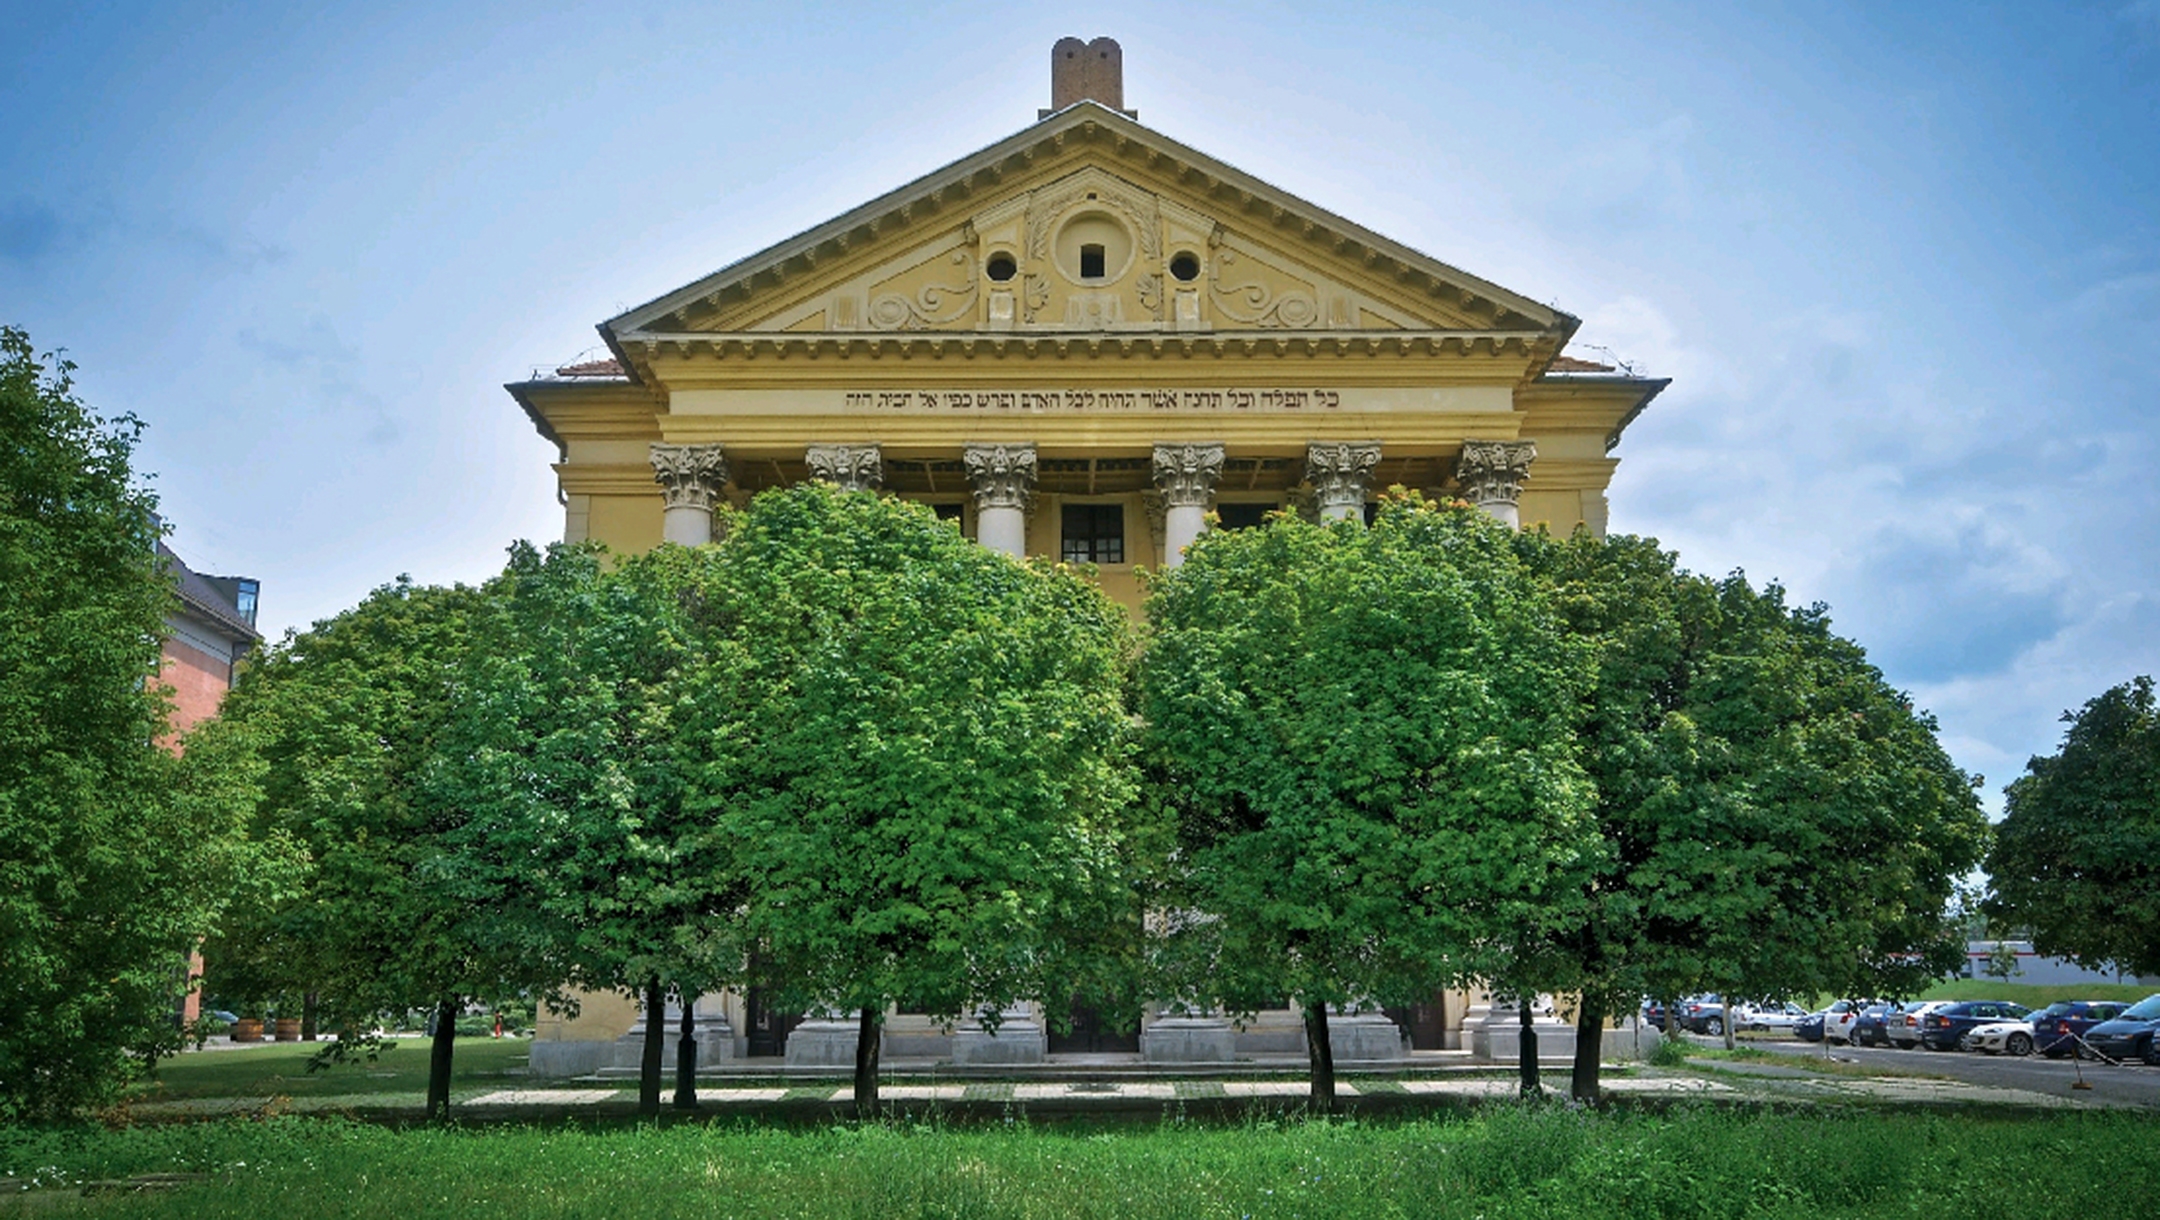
<point x="603" y="1016"/>
<point x="626" y="523"/>
<point x="1558" y="511"/>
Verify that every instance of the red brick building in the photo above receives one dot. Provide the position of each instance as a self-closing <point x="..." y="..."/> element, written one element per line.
<point x="206" y="634"/>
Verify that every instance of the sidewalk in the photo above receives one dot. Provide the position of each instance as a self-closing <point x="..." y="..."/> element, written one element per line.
<point x="1044" y="1096"/>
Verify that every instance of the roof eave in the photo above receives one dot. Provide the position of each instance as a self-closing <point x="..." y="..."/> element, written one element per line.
<point x="519" y="391"/>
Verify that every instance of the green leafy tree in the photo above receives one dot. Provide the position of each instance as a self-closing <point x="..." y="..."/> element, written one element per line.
<point x="2077" y="855"/>
<point x="2002" y="962"/>
<point x="566" y="765"/>
<point x="1776" y="820"/>
<point x="1370" y="729"/>
<point x="916" y="751"/>
<point x="349" y="719"/>
<point x="114" y="861"/>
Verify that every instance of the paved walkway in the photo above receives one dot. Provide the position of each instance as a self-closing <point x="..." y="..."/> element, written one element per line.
<point x="1050" y="1095"/>
<point x="1730" y="1082"/>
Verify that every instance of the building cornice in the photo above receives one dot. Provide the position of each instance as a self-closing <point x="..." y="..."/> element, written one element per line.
<point x="1607" y="402"/>
<point x="1531" y="345"/>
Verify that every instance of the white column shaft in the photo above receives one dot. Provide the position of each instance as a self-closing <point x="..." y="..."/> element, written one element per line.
<point x="1003" y="476"/>
<point x="1002" y="529"/>
<point x="687" y="525"/>
<point x="1182" y="526"/>
<point x="1185" y="474"/>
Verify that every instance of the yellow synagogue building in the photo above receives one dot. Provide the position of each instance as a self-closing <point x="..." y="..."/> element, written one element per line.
<point x="1078" y="342"/>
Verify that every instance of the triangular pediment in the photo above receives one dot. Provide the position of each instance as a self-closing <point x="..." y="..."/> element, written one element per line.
<point x="1088" y="222"/>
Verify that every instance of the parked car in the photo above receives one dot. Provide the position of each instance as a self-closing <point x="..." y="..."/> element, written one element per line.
<point x="1810" y="1028"/>
<point x="2131" y="1035"/>
<point x="1872" y="1026"/>
<point x="1653" y="1013"/>
<point x="1703" y="1015"/>
<point x="1946" y="1027"/>
<point x="1905" y="1031"/>
<point x="1839" y="1017"/>
<point x="1830" y="1023"/>
<point x="1999" y="1038"/>
<point x="1783" y="1018"/>
<point x="2057" y="1028"/>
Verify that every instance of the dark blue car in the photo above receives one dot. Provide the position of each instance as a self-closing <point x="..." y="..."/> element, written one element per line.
<point x="2130" y="1036"/>
<point x="1872" y="1026"/>
<point x="1944" y="1028"/>
<point x="2057" y="1028"/>
<point x="1810" y="1027"/>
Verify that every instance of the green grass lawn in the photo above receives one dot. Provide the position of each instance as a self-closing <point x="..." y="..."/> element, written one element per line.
<point x="1502" y="1162"/>
<point x="2032" y="996"/>
<point x="279" y="1069"/>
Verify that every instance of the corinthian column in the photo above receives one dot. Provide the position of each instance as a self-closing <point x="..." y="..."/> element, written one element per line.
<point x="849" y="467"/>
<point x="690" y="479"/>
<point x="1004" y="478"/>
<point x="1339" y="472"/>
<point x="1491" y="474"/>
<point x="1185" y="475"/>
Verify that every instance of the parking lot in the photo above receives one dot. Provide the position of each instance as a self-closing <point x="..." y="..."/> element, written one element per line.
<point x="2129" y="1084"/>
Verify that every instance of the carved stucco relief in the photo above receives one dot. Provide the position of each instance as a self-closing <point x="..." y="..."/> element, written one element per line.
<point x="1241" y="295"/>
<point x="1092" y="189"/>
<point x="932" y="304"/>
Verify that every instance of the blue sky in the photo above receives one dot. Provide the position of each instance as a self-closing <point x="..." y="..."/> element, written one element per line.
<point x="1902" y="261"/>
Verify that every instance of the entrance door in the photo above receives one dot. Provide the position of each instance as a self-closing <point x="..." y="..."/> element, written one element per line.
<point x="1092" y="1035"/>
<point x="1426" y="1023"/>
<point x="769" y="1026"/>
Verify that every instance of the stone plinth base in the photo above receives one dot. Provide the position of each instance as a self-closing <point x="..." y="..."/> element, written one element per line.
<point x="1634" y="1042"/>
<point x="1364" y="1038"/>
<point x="715" y="1043"/>
<point x="931" y="1043"/>
<point x="1502" y="1042"/>
<point x="822" y="1043"/>
<point x="1273" y="1033"/>
<point x="1188" y="1040"/>
<point x="1019" y="1039"/>
<point x="552" y="1058"/>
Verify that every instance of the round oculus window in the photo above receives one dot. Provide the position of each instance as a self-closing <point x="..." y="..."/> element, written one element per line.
<point x="1093" y="247"/>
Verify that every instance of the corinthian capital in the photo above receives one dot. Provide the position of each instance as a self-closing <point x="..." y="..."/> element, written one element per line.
<point x="850" y="467"/>
<point x="690" y="476"/>
<point x="1003" y="475"/>
<point x="1185" y="474"/>
<point x="1492" y="472"/>
<point x="1339" y="472"/>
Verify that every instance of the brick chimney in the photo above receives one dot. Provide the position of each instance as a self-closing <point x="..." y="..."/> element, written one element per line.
<point x="1087" y="71"/>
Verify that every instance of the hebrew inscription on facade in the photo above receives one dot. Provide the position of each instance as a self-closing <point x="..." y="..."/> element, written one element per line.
<point x="1048" y="400"/>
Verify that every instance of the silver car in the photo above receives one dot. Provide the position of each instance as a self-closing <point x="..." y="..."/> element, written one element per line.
<point x="1905" y="1029"/>
<point x="1782" y="1018"/>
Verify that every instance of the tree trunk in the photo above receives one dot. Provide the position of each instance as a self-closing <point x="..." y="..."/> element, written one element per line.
<point x="438" y="1079"/>
<point x="866" y="1063"/>
<point x="648" y="1094"/>
<point x="1589" y="1051"/>
<point x="307" y="1017"/>
<point x="1526" y="1054"/>
<point x="686" y="1055"/>
<point x="1322" y="1053"/>
<point x="1725" y="1019"/>
<point x="1672" y="1020"/>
